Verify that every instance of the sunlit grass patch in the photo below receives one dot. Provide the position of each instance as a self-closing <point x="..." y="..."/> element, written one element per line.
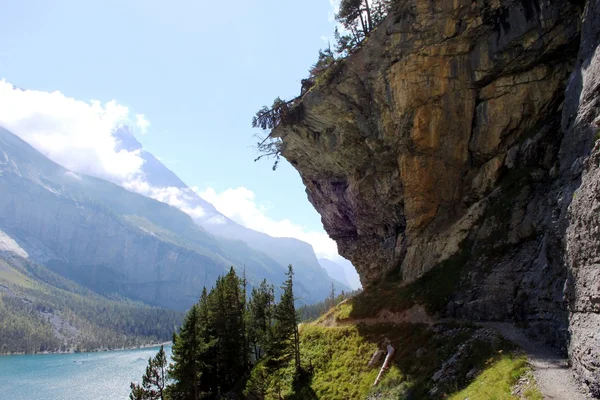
<point x="497" y="380"/>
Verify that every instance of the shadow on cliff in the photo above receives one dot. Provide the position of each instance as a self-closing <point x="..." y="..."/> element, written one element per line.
<point x="431" y="360"/>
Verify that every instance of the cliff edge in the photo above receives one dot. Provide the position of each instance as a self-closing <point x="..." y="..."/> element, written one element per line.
<point x="458" y="134"/>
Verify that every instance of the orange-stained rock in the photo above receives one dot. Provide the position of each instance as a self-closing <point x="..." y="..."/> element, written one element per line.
<point x="399" y="148"/>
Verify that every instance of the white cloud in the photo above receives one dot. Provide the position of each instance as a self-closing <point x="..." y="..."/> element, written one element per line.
<point x="78" y="136"/>
<point x="240" y="205"/>
<point x="174" y="196"/>
<point x="73" y="133"/>
<point x="142" y="123"/>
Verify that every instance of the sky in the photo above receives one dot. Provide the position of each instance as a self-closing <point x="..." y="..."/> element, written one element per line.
<point x="186" y="75"/>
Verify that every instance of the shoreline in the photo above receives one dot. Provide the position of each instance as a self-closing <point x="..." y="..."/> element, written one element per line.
<point x="98" y="350"/>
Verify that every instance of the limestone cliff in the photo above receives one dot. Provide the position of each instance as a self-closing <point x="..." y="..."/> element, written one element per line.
<point x="581" y="124"/>
<point x="402" y="149"/>
<point x="461" y="128"/>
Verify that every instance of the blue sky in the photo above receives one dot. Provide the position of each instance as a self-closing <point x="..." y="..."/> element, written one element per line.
<point x="196" y="70"/>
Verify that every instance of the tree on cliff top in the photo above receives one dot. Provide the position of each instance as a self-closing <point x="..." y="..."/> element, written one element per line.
<point x="268" y="119"/>
<point x="358" y="19"/>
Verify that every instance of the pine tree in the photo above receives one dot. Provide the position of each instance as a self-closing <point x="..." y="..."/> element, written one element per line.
<point x="153" y="381"/>
<point x="285" y="343"/>
<point x="227" y="309"/>
<point x="137" y="392"/>
<point x="332" y="296"/>
<point x="186" y="369"/>
<point x="206" y="336"/>
<point x="358" y="18"/>
<point x="260" y="319"/>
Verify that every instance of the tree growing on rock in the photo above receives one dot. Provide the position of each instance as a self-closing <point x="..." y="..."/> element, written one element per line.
<point x="358" y="19"/>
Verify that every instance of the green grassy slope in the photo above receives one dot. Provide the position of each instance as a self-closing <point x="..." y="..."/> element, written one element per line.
<point x="451" y="360"/>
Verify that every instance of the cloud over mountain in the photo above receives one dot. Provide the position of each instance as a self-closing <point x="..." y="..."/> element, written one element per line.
<point x="92" y="138"/>
<point x="240" y="205"/>
<point x="73" y="133"/>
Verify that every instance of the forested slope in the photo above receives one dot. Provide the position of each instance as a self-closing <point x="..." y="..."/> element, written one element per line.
<point x="42" y="311"/>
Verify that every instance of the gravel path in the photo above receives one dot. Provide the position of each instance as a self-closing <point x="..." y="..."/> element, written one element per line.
<point x="553" y="375"/>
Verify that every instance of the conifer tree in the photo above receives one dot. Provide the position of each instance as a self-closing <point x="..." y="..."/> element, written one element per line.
<point x="260" y="319"/>
<point x="358" y="19"/>
<point x="285" y="344"/>
<point x="186" y="369"/>
<point x="153" y="381"/>
<point x="332" y="295"/>
<point x="227" y="309"/>
<point x="206" y="336"/>
<point x="137" y="392"/>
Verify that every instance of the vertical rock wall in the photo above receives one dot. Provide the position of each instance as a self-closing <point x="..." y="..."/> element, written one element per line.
<point x="463" y="128"/>
<point x="581" y="120"/>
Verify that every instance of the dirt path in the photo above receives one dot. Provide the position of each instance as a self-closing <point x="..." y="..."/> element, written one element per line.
<point x="414" y="315"/>
<point x="552" y="373"/>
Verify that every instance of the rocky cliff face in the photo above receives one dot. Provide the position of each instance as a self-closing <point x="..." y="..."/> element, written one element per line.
<point x="402" y="149"/>
<point x="457" y="135"/>
<point x="581" y="124"/>
<point x="583" y="251"/>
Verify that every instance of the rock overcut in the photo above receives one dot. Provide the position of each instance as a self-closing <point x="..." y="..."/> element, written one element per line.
<point x="458" y="133"/>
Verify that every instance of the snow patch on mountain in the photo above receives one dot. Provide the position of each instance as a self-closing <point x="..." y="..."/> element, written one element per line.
<point x="8" y="244"/>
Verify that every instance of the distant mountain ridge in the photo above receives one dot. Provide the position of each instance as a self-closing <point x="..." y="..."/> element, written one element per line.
<point x="283" y="250"/>
<point x="115" y="241"/>
<point x="342" y="271"/>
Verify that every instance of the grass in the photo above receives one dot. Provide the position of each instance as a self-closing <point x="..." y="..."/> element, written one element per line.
<point x="337" y="358"/>
<point x="337" y="347"/>
<point x="497" y="381"/>
<point x="11" y="276"/>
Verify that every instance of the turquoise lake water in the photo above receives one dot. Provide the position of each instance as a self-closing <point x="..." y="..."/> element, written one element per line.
<point x="89" y="376"/>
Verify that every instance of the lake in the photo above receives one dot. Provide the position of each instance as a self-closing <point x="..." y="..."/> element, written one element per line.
<point x="90" y="376"/>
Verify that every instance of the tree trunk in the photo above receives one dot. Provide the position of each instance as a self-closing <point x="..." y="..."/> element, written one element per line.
<point x="297" y="347"/>
<point x="362" y="23"/>
<point x="369" y="20"/>
<point x="161" y="386"/>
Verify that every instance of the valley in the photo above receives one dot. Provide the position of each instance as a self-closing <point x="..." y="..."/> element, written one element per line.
<point x="429" y="229"/>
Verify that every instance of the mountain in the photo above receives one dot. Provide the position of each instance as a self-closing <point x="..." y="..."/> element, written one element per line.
<point x="284" y="251"/>
<point x="351" y="275"/>
<point x="342" y="271"/>
<point x="334" y="270"/>
<point x="116" y="242"/>
<point x="42" y="311"/>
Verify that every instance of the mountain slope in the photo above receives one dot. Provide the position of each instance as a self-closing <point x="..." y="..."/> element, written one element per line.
<point x="42" y="311"/>
<point x="334" y="270"/>
<point x="284" y="251"/>
<point x="341" y="270"/>
<point x="112" y="240"/>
